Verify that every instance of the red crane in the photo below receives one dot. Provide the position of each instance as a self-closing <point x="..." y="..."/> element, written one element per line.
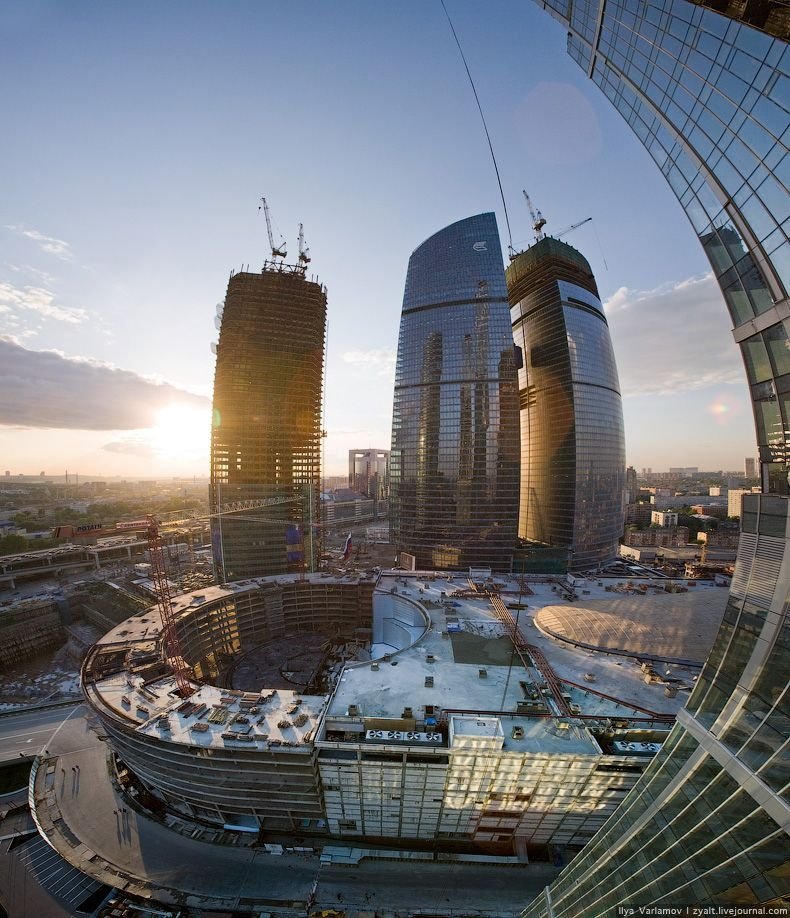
<point x="170" y="644"/>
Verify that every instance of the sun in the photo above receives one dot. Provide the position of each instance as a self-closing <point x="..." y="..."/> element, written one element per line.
<point x="181" y="432"/>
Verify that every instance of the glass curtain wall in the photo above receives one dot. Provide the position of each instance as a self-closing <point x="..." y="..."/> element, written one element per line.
<point x="455" y="446"/>
<point x="709" y="97"/>
<point x="572" y="441"/>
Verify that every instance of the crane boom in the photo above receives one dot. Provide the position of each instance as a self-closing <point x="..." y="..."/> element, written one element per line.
<point x="538" y="220"/>
<point x="569" y="229"/>
<point x="277" y="251"/>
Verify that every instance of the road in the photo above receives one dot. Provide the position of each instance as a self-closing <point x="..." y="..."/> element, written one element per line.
<point x="459" y="889"/>
<point x="139" y="846"/>
<point x="31" y="732"/>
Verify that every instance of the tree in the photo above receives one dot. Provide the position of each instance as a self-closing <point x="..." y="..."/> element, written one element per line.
<point x="16" y="544"/>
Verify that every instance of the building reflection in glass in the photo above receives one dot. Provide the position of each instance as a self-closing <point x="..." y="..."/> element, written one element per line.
<point x="572" y="441"/>
<point x="455" y="445"/>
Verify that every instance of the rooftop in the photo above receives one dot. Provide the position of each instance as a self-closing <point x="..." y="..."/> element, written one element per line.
<point x="669" y="625"/>
<point x="214" y="717"/>
<point x="466" y="662"/>
<point x="440" y="648"/>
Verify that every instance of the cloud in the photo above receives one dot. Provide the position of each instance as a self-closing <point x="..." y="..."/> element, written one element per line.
<point x="672" y="339"/>
<point x="38" y="300"/>
<point x="383" y="359"/>
<point x="47" y="389"/>
<point x="41" y="276"/>
<point x="131" y="446"/>
<point x="48" y="244"/>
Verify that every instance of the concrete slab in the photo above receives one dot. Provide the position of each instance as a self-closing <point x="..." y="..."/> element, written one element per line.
<point x="679" y="626"/>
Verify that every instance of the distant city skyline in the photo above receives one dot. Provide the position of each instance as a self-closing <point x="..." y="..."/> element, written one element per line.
<point x="107" y="279"/>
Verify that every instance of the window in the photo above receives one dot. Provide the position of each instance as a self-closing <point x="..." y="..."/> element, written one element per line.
<point x="755" y="356"/>
<point x="779" y="348"/>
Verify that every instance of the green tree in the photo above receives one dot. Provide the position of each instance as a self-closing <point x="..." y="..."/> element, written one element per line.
<point x="17" y="545"/>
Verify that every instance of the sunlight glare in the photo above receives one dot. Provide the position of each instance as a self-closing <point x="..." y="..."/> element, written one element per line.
<point x="181" y="432"/>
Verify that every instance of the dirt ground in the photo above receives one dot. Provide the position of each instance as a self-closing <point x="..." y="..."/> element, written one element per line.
<point x="284" y="664"/>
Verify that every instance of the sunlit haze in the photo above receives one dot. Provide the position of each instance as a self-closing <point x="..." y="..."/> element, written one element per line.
<point x="144" y="134"/>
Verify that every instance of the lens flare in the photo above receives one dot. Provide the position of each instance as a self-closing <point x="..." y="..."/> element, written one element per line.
<point x="724" y="409"/>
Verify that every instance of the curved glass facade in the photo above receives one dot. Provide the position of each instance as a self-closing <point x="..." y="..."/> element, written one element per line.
<point x="572" y="441"/>
<point x="709" y="97"/>
<point x="707" y="821"/>
<point x="455" y="446"/>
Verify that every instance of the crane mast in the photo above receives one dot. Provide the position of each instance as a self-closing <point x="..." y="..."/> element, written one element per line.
<point x="278" y="251"/>
<point x="304" y="251"/>
<point x="538" y="220"/>
<point x="171" y="647"/>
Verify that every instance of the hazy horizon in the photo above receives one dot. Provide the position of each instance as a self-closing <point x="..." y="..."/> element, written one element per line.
<point x="144" y="137"/>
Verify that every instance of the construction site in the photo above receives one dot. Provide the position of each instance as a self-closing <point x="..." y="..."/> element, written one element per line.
<point x="76" y="593"/>
<point x="267" y="428"/>
<point x="430" y="708"/>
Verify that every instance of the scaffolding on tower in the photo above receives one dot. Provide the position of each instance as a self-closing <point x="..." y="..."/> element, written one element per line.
<point x="171" y="647"/>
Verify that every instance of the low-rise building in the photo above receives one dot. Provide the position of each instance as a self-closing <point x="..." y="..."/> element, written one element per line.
<point x="665" y="537"/>
<point x="638" y="513"/>
<point x="346" y="507"/>
<point x="664" y="518"/>
<point x="718" y="511"/>
<point x="720" y="538"/>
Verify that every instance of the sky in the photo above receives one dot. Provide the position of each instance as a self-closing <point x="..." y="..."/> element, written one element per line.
<point x="139" y="137"/>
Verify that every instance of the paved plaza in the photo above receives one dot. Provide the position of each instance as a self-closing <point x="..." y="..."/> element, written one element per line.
<point x="674" y="626"/>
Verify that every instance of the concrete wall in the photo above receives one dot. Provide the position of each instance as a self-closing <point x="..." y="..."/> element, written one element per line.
<point x="28" y="628"/>
<point x="397" y="620"/>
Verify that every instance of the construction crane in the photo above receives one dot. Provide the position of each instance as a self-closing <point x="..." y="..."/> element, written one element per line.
<point x="171" y="647"/>
<point x="538" y="220"/>
<point x="304" y="251"/>
<point x="164" y="599"/>
<point x="570" y="229"/>
<point x="277" y="251"/>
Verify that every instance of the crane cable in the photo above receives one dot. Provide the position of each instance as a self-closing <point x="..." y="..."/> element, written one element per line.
<point x="485" y="126"/>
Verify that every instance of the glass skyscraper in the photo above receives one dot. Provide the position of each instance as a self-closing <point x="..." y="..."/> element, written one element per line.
<point x="369" y="473"/>
<point x="455" y="443"/>
<point x="266" y="428"/>
<point x="709" y="95"/>
<point x="572" y="443"/>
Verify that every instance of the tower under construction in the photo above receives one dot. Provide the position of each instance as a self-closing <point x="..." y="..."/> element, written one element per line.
<point x="572" y="441"/>
<point x="266" y="424"/>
